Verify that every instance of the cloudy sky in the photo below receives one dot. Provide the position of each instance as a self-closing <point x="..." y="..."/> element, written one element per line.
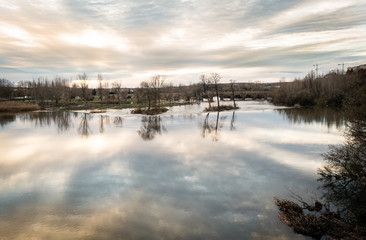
<point x="130" y="40"/>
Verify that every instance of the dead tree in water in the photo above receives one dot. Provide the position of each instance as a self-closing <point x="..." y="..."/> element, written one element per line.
<point x="84" y="86"/>
<point x="205" y="83"/>
<point x="232" y="87"/>
<point x="215" y="79"/>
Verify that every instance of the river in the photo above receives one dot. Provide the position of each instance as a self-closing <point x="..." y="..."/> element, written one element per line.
<point x="184" y="174"/>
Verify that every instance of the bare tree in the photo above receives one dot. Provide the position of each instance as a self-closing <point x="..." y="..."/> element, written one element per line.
<point x="106" y="90"/>
<point x="205" y="83"/>
<point x="117" y="88"/>
<point x="232" y="88"/>
<point x="5" y="88"/>
<point x="215" y="80"/>
<point x="84" y="86"/>
<point x="169" y="92"/>
<point x="147" y="93"/>
<point x="67" y="90"/>
<point x="56" y="89"/>
<point x="157" y="82"/>
<point x="100" y="86"/>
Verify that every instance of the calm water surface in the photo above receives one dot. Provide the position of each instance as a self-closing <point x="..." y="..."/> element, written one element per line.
<point x="181" y="175"/>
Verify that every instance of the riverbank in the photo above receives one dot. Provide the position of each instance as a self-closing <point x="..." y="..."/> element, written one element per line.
<point x="22" y="106"/>
<point x="12" y="106"/>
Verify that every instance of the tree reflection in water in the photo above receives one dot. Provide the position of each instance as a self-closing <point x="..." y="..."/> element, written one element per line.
<point x="6" y="119"/>
<point x="118" y="122"/>
<point x="84" y="129"/>
<point x="343" y="178"/>
<point x="63" y="121"/>
<point x="150" y="127"/>
<point x="344" y="175"/>
<point x="326" y="116"/>
<point x="103" y="120"/>
<point x="213" y="128"/>
<point x="232" y="127"/>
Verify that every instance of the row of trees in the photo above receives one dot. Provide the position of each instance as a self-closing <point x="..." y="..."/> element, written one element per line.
<point x="329" y="90"/>
<point x="44" y="91"/>
<point x="151" y="92"/>
<point x="6" y="88"/>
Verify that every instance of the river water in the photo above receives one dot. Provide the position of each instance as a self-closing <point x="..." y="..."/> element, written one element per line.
<point x="184" y="174"/>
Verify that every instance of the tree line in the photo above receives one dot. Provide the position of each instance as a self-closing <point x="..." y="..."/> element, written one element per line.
<point x="331" y="89"/>
<point x="44" y="91"/>
<point x="61" y="91"/>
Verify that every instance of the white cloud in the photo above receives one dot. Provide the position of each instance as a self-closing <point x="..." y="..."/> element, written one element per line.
<point x="128" y="40"/>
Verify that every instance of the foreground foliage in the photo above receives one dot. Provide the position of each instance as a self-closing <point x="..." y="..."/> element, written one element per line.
<point x="341" y="213"/>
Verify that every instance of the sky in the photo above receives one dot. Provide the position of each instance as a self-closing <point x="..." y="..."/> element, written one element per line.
<point x="130" y="40"/>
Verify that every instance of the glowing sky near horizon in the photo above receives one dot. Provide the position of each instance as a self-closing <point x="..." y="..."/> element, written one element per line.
<point x="245" y="40"/>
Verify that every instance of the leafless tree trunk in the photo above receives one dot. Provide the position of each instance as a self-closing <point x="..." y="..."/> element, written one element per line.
<point x="5" y="88"/>
<point x="105" y="91"/>
<point x="100" y="86"/>
<point x="84" y="86"/>
<point x="146" y="92"/>
<point x="232" y="87"/>
<point x="117" y="88"/>
<point x="205" y="82"/>
<point x="215" y="79"/>
<point x="157" y="83"/>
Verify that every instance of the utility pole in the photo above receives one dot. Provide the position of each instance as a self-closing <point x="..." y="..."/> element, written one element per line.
<point x="342" y="67"/>
<point x="316" y="69"/>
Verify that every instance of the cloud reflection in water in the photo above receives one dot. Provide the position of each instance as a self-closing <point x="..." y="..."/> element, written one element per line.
<point x="177" y="185"/>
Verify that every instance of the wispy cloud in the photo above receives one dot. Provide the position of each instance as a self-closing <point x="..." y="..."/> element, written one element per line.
<point x="129" y="40"/>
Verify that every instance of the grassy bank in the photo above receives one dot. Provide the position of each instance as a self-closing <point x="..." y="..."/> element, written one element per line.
<point x="12" y="106"/>
<point x="20" y="106"/>
<point x="98" y="105"/>
<point x="221" y="108"/>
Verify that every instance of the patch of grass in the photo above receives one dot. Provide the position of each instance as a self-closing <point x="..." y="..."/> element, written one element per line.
<point x="98" y="111"/>
<point x="12" y="106"/>
<point x="221" y="108"/>
<point x="151" y="111"/>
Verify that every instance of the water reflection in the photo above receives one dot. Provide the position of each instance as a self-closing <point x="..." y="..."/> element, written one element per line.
<point x="150" y="127"/>
<point x="341" y="212"/>
<point x="178" y="186"/>
<point x="212" y="128"/>
<point x="118" y="121"/>
<point x="232" y="127"/>
<point x="6" y="119"/>
<point x="103" y="120"/>
<point x="63" y="121"/>
<point x="84" y="128"/>
<point x="326" y="116"/>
